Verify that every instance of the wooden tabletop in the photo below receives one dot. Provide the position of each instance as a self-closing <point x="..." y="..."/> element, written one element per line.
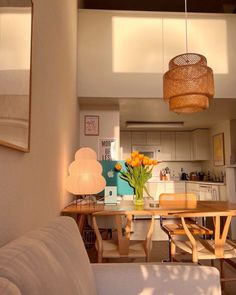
<point x="127" y="207"/>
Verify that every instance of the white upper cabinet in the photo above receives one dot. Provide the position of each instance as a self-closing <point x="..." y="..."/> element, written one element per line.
<point x="183" y="146"/>
<point x="200" y="145"/>
<point x="139" y="137"/>
<point x="167" y="148"/>
<point x="154" y="138"/>
<point x="170" y="146"/>
<point x="125" y="144"/>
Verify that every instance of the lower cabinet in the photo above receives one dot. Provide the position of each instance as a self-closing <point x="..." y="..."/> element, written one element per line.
<point x="157" y="188"/>
<point x="206" y="191"/>
<point x="193" y="188"/>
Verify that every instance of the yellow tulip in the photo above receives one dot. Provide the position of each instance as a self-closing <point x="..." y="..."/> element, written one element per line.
<point x="134" y="154"/>
<point x="128" y="161"/>
<point x="145" y="161"/>
<point x="133" y="163"/>
<point x="118" y="166"/>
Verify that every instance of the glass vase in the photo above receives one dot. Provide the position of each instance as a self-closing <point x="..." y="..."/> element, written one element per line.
<point x="138" y="199"/>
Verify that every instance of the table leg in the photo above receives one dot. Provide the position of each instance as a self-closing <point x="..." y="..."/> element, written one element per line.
<point x="80" y="222"/>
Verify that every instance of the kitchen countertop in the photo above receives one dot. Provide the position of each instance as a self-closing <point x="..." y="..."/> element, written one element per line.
<point x="155" y="179"/>
<point x="206" y="182"/>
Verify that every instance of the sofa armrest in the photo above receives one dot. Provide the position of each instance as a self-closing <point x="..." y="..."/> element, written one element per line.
<point x="150" y="279"/>
<point x="8" y="288"/>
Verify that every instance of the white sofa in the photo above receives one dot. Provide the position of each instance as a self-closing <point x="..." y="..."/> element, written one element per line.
<point x="52" y="260"/>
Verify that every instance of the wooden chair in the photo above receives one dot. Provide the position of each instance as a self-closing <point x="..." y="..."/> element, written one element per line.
<point x="122" y="246"/>
<point x="220" y="247"/>
<point x="173" y="226"/>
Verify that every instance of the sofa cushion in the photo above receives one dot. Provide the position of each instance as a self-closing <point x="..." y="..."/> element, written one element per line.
<point x="156" y="279"/>
<point x="51" y="260"/>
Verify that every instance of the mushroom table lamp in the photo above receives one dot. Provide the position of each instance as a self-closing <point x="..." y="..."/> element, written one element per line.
<point x="85" y="174"/>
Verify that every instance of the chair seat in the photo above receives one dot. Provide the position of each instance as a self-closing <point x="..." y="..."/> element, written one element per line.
<point x="177" y="229"/>
<point x="110" y="249"/>
<point x="205" y="248"/>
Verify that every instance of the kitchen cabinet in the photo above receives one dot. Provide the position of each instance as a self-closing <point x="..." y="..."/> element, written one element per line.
<point x="193" y="188"/>
<point x="154" y="138"/>
<point x="160" y="187"/>
<point x="183" y="146"/>
<point x="222" y="193"/>
<point x="155" y="189"/>
<point x="200" y="145"/>
<point x="138" y="137"/>
<point x="167" y="147"/>
<point x="175" y="187"/>
<point x="125" y="144"/>
<point x="206" y="191"/>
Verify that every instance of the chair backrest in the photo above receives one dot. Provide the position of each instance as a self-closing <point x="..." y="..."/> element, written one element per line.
<point x="178" y="200"/>
<point x="123" y="231"/>
<point x="220" y="232"/>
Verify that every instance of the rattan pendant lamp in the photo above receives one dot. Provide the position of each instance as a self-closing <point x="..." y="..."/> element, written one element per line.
<point x="189" y="84"/>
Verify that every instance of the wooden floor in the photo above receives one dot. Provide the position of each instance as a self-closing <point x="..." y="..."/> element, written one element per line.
<point x="160" y="251"/>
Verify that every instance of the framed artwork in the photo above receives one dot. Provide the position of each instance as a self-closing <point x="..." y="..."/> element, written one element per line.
<point x="107" y="149"/>
<point x="218" y="150"/>
<point x="91" y="125"/>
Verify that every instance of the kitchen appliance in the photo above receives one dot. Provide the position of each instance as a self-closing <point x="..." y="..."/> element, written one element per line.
<point x="184" y="176"/>
<point x="208" y="192"/>
<point x="146" y="150"/>
<point x="194" y="176"/>
<point x="201" y="175"/>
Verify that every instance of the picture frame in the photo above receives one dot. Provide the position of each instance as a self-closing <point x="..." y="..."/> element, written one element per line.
<point x="107" y="149"/>
<point x="218" y="150"/>
<point x="91" y="125"/>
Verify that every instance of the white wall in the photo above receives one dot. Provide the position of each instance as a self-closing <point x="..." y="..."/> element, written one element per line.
<point x="233" y="141"/>
<point x="109" y="127"/>
<point x="32" y="184"/>
<point x="125" y="53"/>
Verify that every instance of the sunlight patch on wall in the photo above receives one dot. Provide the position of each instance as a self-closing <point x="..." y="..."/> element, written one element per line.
<point x="146" y="44"/>
<point x="209" y="37"/>
<point x="136" y="45"/>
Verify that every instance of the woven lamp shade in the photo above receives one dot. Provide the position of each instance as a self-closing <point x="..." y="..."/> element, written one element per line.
<point x="189" y="84"/>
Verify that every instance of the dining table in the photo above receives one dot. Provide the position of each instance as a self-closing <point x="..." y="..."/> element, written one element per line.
<point x="127" y="207"/>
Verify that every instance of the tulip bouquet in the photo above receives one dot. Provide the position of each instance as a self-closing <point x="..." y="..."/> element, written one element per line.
<point x="138" y="172"/>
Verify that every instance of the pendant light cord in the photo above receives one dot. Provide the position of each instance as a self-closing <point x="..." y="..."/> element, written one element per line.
<point x="186" y="26"/>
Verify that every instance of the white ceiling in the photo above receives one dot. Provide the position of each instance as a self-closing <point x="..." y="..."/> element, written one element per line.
<point x="156" y="110"/>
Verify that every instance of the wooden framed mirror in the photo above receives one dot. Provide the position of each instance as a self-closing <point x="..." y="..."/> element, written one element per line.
<point x="15" y="73"/>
